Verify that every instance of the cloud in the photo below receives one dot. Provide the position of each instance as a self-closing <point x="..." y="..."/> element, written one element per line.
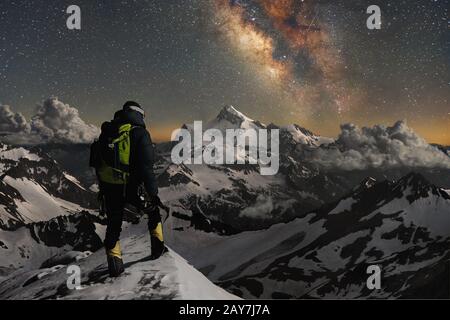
<point x="54" y="121"/>
<point x="59" y="122"/>
<point x="379" y="147"/>
<point x="11" y="121"/>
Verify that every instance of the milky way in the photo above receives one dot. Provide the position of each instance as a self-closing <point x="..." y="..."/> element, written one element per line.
<point x="307" y="41"/>
<point x="313" y="62"/>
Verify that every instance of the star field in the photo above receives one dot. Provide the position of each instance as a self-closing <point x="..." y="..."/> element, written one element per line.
<point x="312" y="62"/>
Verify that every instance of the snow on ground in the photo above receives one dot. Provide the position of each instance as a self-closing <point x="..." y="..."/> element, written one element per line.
<point x="331" y="254"/>
<point x="343" y="205"/>
<point x="206" y="251"/>
<point x="16" y="154"/>
<point x="437" y="221"/>
<point x="169" y="277"/>
<point x="19" y="251"/>
<point x="39" y="205"/>
<point x="5" y="216"/>
<point x="299" y="136"/>
<point x="74" y="180"/>
<point x="212" y="179"/>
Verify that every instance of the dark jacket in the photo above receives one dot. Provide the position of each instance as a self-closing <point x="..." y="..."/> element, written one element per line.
<point x="142" y="156"/>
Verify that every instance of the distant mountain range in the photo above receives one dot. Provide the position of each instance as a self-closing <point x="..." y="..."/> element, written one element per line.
<point x="403" y="227"/>
<point x="308" y="232"/>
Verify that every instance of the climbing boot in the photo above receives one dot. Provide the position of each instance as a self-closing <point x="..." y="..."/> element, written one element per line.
<point x="115" y="263"/>
<point x="156" y="234"/>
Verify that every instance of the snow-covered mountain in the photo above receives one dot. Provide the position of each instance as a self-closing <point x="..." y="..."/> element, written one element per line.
<point x="238" y="196"/>
<point x="34" y="188"/>
<point x="31" y="246"/>
<point x="308" y="232"/>
<point x="233" y="198"/>
<point x="73" y="159"/>
<point x="46" y="225"/>
<point x="38" y="270"/>
<point x="402" y="226"/>
<point x="230" y="118"/>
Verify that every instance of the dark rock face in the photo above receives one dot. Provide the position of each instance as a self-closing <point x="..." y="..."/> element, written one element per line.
<point x="74" y="159"/>
<point x="53" y="180"/>
<point x="7" y="196"/>
<point x="386" y="224"/>
<point x="30" y="164"/>
<point x="200" y="222"/>
<point x="183" y="175"/>
<point x="76" y="231"/>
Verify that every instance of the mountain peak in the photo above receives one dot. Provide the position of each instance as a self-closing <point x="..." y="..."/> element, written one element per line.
<point x="230" y="109"/>
<point x="304" y="130"/>
<point x="231" y="114"/>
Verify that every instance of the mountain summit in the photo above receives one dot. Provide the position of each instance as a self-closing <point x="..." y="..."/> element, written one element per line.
<point x="230" y="114"/>
<point x="230" y="118"/>
<point x="169" y="277"/>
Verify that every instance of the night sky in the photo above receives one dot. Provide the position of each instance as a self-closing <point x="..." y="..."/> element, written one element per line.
<point x="311" y="62"/>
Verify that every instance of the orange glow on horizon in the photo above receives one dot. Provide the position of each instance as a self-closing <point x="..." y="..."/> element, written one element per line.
<point x="431" y="131"/>
<point x="162" y="132"/>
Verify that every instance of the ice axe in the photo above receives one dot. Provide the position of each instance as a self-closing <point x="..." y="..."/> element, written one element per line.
<point x="147" y="205"/>
<point x="165" y="208"/>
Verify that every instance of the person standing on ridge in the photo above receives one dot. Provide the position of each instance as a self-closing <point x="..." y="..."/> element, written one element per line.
<point x="123" y="158"/>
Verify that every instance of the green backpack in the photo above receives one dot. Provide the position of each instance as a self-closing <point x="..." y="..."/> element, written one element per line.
<point x="110" y="155"/>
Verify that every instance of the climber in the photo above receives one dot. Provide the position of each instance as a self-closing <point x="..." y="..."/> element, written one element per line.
<point x="123" y="157"/>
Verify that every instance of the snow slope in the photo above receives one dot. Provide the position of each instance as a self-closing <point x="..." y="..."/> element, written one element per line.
<point x="34" y="188"/>
<point x="232" y="194"/>
<point x="169" y="277"/>
<point x="404" y="227"/>
<point x="33" y="245"/>
<point x="37" y="203"/>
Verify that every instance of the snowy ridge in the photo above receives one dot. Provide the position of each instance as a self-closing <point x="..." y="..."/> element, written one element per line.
<point x="222" y="192"/>
<point x="169" y="277"/>
<point x="308" y="232"/>
<point x="34" y="188"/>
<point x="230" y="118"/>
<point x="15" y="154"/>
<point x="403" y="226"/>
